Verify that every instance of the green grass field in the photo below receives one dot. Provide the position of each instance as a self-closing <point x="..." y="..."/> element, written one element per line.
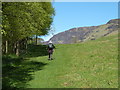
<point x="93" y="64"/>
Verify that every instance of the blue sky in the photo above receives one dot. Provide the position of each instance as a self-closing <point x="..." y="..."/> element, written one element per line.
<point x="79" y="14"/>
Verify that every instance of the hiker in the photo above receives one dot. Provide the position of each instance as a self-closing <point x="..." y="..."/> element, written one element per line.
<point x="50" y="50"/>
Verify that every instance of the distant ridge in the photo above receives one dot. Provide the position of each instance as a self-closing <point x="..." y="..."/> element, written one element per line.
<point x="82" y="34"/>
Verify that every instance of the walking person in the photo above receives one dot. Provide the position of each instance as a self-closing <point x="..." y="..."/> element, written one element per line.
<point x="50" y="50"/>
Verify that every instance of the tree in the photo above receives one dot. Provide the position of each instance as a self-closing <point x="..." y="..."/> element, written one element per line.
<point x="24" y="19"/>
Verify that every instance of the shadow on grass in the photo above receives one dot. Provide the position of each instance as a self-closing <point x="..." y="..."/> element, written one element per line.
<point x="17" y="72"/>
<point x="36" y="51"/>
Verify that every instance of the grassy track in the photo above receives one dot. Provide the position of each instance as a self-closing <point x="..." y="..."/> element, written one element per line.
<point x="92" y="64"/>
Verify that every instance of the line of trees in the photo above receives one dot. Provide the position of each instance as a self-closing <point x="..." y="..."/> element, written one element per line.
<point x="23" y="20"/>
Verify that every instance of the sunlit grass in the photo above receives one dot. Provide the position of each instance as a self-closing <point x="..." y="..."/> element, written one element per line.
<point x="93" y="64"/>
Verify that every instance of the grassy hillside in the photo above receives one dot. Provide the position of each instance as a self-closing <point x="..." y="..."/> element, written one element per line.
<point x="92" y="64"/>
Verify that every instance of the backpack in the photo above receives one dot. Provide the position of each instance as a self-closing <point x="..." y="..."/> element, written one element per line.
<point x="50" y="45"/>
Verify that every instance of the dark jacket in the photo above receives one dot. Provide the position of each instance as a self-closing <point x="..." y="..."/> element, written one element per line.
<point x="52" y="46"/>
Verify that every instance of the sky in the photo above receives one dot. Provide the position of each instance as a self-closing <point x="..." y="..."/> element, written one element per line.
<point x="81" y="14"/>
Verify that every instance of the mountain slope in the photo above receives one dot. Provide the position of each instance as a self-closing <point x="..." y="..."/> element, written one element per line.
<point x="82" y="34"/>
<point x="93" y="64"/>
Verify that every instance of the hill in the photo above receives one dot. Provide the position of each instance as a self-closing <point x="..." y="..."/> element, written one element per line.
<point x="82" y="34"/>
<point x="93" y="64"/>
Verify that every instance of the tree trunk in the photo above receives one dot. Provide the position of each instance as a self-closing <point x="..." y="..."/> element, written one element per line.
<point x="26" y="44"/>
<point x="14" y="48"/>
<point x="36" y="39"/>
<point x="17" y="48"/>
<point x="3" y="48"/>
<point x="6" y="47"/>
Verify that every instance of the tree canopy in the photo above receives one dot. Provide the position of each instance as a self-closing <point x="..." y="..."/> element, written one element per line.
<point x="25" y="19"/>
